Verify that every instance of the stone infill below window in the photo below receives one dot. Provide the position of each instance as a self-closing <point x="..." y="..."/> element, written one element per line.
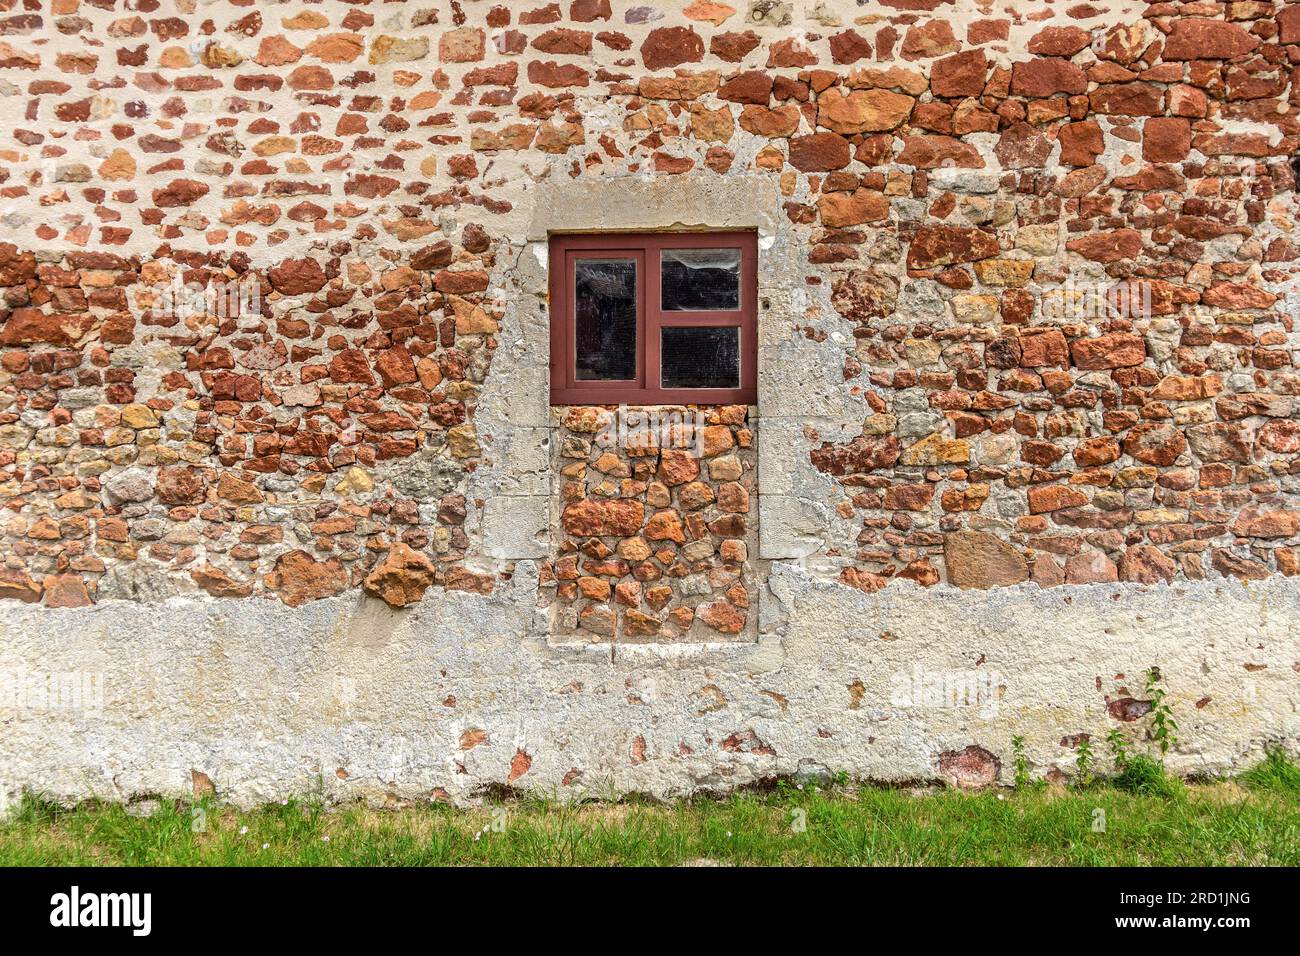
<point x="654" y="521"/>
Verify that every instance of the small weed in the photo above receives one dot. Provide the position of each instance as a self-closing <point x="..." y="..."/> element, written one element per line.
<point x="1119" y="745"/>
<point x="1164" y="729"/>
<point x="1084" y="762"/>
<point x="1020" y="762"/>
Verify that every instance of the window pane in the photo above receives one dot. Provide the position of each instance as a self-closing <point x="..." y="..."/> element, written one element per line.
<point x="605" y="319"/>
<point x="700" y="280"/>
<point x="700" y="358"/>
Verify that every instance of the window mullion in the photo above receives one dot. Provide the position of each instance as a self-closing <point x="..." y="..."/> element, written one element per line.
<point x="653" y="316"/>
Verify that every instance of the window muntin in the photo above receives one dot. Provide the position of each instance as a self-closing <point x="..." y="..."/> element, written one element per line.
<point x="654" y="318"/>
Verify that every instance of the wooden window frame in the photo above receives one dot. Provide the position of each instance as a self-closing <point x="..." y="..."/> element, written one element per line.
<point x="645" y="389"/>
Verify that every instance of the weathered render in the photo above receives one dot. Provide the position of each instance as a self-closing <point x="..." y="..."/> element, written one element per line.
<point x="287" y="507"/>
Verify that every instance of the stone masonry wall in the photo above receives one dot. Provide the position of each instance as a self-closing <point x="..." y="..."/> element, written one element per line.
<point x="657" y="524"/>
<point x="273" y="347"/>
<point x="947" y="166"/>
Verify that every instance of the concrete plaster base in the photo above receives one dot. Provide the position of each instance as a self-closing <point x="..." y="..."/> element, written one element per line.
<point x="349" y="698"/>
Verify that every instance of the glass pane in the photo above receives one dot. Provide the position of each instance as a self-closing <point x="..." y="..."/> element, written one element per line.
<point x="605" y="319"/>
<point x="700" y="280"/>
<point x="700" y="358"/>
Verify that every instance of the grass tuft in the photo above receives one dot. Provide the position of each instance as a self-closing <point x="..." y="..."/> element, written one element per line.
<point x="1145" y="776"/>
<point x="1276" y="774"/>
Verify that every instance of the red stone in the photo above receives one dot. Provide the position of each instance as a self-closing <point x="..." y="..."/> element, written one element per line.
<point x="66" y="590"/>
<point x="299" y="578"/>
<point x="1059" y="41"/>
<point x="948" y="245"/>
<point x="591" y="518"/>
<point x="819" y="152"/>
<point x="1196" y="38"/>
<point x="1081" y="143"/>
<point x="395" y="366"/>
<point x="676" y="467"/>
<point x="915" y="497"/>
<point x="671" y="46"/>
<point x="1288" y="21"/>
<point x="1045" y="498"/>
<point x="864" y="294"/>
<point x="752" y="86"/>
<point x="973" y="768"/>
<point x="1114" y="350"/>
<point x="1090" y="567"/>
<point x="929" y="39"/>
<point x="1093" y="452"/>
<point x="220" y="584"/>
<point x="351" y="365"/>
<point x="722" y="617"/>
<point x="791" y="53"/>
<point x="1021" y="146"/>
<point x="1044" y="347"/>
<point x="180" y="485"/>
<point x="770" y="123"/>
<point x="179" y="192"/>
<point x="561" y="41"/>
<point x="962" y="74"/>
<point x="402" y="577"/>
<point x="1166" y="140"/>
<point x="1233" y="565"/>
<point x="1110" y="246"/>
<point x="1280" y="435"/>
<point x="1155" y="444"/>
<point x="1237" y="295"/>
<point x="1264" y="523"/>
<point x="863" y="454"/>
<point x="1047" y="77"/>
<point x="1146" y="564"/>
<point x="1127" y="99"/>
<point x="297" y="277"/>
<point x="28" y="326"/>
<point x="19" y="586"/>
<point x="15" y="267"/>
<point x="461" y="282"/>
<point x="557" y="75"/>
<point x="849" y="47"/>
<point x="734" y="47"/>
<point x="935" y="152"/>
<point x="585" y="11"/>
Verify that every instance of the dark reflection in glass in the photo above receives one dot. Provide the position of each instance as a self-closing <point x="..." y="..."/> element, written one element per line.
<point x="700" y="358"/>
<point x="700" y="280"/>
<point x="605" y="319"/>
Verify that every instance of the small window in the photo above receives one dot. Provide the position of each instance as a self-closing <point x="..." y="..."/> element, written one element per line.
<point x="654" y="319"/>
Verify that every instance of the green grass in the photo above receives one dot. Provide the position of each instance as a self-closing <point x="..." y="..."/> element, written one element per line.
<point x="1255" y="821"/>
<point x="1276" y="773"/>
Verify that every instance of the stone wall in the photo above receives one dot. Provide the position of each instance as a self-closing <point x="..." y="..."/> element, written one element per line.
<point x="655" y="517"/>
<point x="273" y="340"/>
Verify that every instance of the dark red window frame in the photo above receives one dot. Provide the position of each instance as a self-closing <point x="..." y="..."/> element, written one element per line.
<point x="645" y="248"/>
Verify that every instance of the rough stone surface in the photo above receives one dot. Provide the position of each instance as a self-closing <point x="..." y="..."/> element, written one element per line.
<point x="273" y="307"/>
<point x="402" y="577"/>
